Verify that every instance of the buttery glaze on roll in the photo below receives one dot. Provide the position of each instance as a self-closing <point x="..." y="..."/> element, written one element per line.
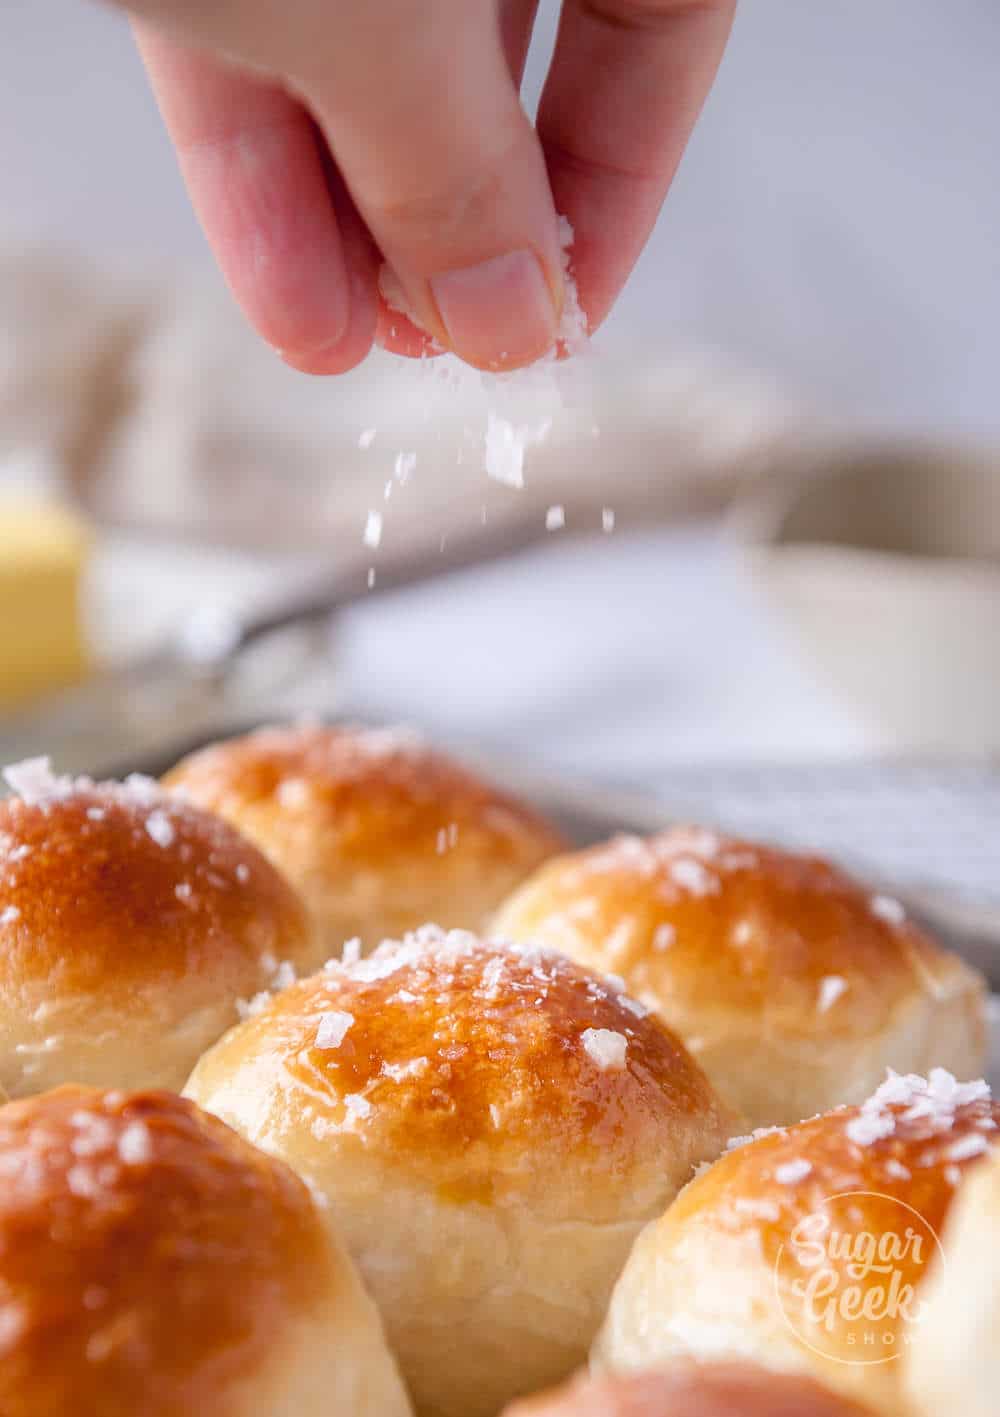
<point x="152" y="1262"/>
<point x="955" y="1366"/>
<point x="130" y="926"/>
<point x="793" y="986"/>
<point x="379" y="833"/>
<point x="807" y="1248"/>
<point x="490" y="1127"/>
<point x="693" y="1390"/>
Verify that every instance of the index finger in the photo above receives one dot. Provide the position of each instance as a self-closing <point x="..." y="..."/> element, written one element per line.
<point x="627" y="82"/>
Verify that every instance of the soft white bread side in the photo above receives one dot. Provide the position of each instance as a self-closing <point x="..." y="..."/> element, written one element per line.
<point x="153" y="1262"/>
<point x="130" y="926"/>
<point x="955" y="1365"/>
<point x="692" y="1390"/>
<point x="793" y="986"/>
<point x="377" y="832"/>
<point x="806" y="1249"/>
<point x="491" y="1127"/>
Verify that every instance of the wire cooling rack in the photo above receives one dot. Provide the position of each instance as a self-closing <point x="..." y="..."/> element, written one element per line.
<point x="926" y="826"/>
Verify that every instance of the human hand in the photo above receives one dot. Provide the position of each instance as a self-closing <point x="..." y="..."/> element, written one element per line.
<point x="319" y="138"/>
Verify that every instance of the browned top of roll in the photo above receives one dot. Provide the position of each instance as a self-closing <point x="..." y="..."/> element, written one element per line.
<point x="108" y="888"/>
<point x="366" y="798"/>
<point x="477" y="1065"/>
<point x="714" y="924"/>
<point x="148" y="1256"/>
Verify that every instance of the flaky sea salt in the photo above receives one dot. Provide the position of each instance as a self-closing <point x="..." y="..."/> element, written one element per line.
<point x="555" y="518"/>
<point x="351" y="952"/>
<point x="791" y="1172"/>
<point x="664" y="936"/>
<point x="692" y="876"/>
<point x="399" y="1072"/>
<point x="506" y="444"/>
<point x="607" y="1048"/>
<point x="161" y="829"/>
<point x="372" y="536"/>
<point x="975" y="1144"/>
<point x="135" y="1145"/>
<point x="887" y="909"/>
<point x="333" y="1029"/>
<point x="607" y="519"/>
<point x="358" y="1106"/>
<point x="403" y="467"/>
<point x="9" y="914"/>
<point x="34" y="782"/>
<point x="831" y="987"/>
<point x="366" y="437"/>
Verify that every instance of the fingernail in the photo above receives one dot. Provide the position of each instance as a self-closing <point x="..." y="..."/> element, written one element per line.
<point x="500" y="314"/>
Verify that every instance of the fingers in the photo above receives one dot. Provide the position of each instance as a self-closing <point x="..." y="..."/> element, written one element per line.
<point x="449" y="177"/>
<point x="627" y="82"/>
<point x="292" y="249"/>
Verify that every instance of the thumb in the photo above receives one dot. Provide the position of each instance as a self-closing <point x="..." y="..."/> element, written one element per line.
<point x="428" y="131"/>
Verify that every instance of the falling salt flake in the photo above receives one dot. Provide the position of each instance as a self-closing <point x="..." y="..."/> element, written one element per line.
<point x="897" y="1169"/>
<point x="966" y="1147"/>
<point x="333" y="1029"/>
<point x="506" y="445"/>
<point x="606" y="1047"/>
<point x="495" y="1116"/>
<point x="953" y="1175"/>
<point x="555" y="518"/>
<point x="887" y="909"/>
<point x="663" y="937"/>
<point x="160" y="828"/>
<point x="242" y="873"/>
<point x="573" y="322"/>
<point x="831" y="987"/>
<point x="791" y="1172"/>
<point x="403" y="466"/>
<point x="371" y="577"/>
<point x="607" y="519"/>
<point x="135" y="1145"/>
<point x="357" y="1106"/>
<point x="373" y="530"/>
<point x="96" y="814"/>
<point x="183" y="890"/>
<point x="367" y="437"/>
<point x="9" y="914"/>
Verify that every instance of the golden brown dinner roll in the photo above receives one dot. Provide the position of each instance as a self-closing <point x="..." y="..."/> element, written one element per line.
<point x="130" y="925"/>
<point x="955" y="1364"/>
<point x="805" y="1249"/>
<point x="693" y="1390"/>
<point x="793" y="987"/>
<point x="152" y="1262"/>
<point x="490" y="1126"/>
<point x="379" y="833"/>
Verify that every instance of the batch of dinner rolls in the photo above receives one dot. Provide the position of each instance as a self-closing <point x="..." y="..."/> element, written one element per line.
<point x="336" y="1083"/>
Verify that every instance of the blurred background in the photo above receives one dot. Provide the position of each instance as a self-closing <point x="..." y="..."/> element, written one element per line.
<point x="755" y="566"/>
